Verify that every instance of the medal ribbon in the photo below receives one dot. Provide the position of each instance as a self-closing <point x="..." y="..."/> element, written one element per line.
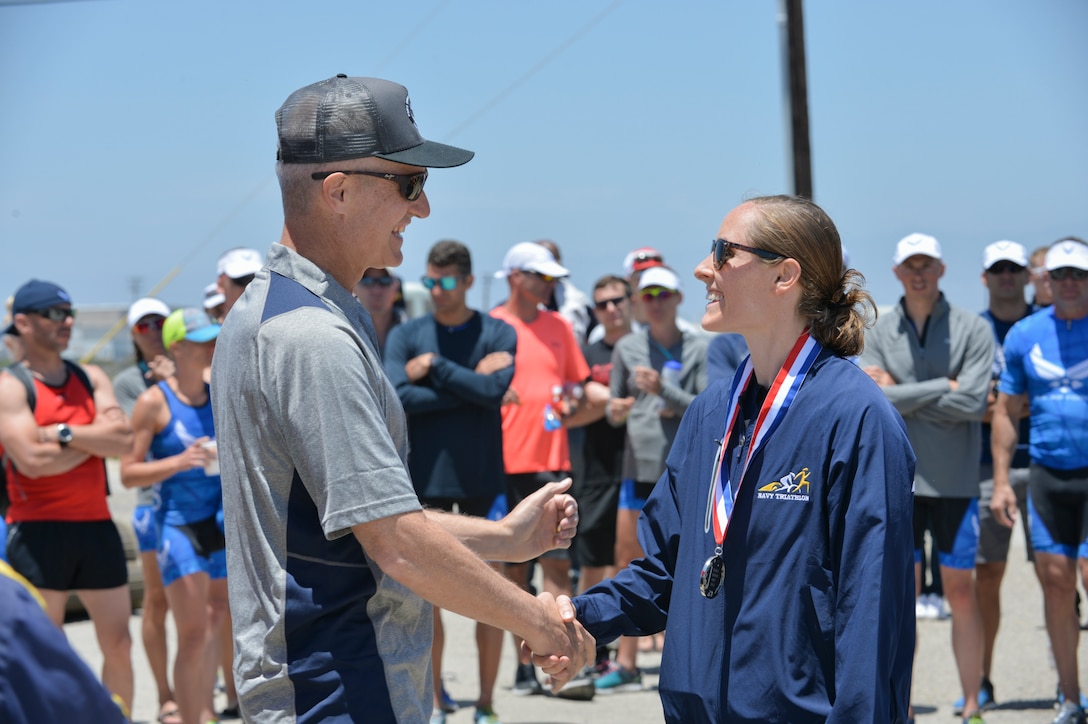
<point x="779" y="398"/>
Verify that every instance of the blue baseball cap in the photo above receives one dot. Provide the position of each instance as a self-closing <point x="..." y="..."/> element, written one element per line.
<point x="35" y="296"/>
<point x="188" y="323"/>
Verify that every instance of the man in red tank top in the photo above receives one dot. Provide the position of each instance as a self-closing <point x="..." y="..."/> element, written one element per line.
<point x="61" y="537"/>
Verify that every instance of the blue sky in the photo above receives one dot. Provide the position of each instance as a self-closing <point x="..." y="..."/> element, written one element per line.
<point x="138" y="138"/>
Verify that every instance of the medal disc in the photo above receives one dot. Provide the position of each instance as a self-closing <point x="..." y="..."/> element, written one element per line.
<point x="710" y="580"/>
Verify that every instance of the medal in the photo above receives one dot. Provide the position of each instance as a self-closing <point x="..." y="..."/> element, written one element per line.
<point x="723" y="493"/>
<point x="710" y="580"/>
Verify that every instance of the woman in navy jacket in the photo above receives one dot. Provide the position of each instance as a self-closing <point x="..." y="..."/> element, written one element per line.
<point x="779" y="563"/>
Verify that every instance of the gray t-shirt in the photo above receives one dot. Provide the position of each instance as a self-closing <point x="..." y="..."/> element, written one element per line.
<point x="649" y="435"/>
<point x="128" y="385"/>
<point x="312" y="441"/>
<point x="944" y="426"/>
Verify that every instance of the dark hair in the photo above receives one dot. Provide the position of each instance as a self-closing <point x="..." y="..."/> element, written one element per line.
<point x="609" y="279"/>
<point x="449" y="252"/>
<point x="832" y="299"/>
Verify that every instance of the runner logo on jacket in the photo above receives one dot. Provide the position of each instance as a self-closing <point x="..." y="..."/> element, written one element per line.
<point x="792" y="486"/>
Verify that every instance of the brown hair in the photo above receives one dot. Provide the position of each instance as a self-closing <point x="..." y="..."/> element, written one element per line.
<point x="832" y="298"/>
<point x="451" y="253"/>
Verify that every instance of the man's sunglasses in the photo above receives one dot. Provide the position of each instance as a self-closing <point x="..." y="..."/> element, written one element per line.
<point x="151" y="325"/>
<point x="722" y="251"/>
<point x="446" y="283"/>
<point x="411" y="185"/>
<point x="380" y="281"/>
<point x="56" y="314"/>
<point x="542" y="277"/>
<point x="1006" y="267"/>
<point x="614" y="301"/>
<point x="1068" y="272"/>
<point x="656" y="293"/>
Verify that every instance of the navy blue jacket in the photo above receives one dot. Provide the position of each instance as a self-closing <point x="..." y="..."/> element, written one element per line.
<point x="454" y="413"/>
<point x="815" y="619"/>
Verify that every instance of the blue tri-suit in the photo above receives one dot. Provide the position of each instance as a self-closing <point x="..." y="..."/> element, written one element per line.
<point x="815" y="618"/>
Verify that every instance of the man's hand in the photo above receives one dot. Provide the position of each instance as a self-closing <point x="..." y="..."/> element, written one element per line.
<point x="1003" y="505"/>
<point x="494" y="362"/>
<point x="571" y="645"/>
<point x="543" y="521"/>
<point x="619" y="408"/>
<point x="648" y="380"/>
<point x="879" y="375"/>
<point x="419" y="367"/>
<point x="510" y="397"/>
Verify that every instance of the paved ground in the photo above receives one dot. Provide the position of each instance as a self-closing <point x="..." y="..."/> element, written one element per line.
<point x="1023" y="677"/>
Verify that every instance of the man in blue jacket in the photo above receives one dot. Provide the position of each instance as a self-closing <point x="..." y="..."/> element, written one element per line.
<point x="452" y="369"/>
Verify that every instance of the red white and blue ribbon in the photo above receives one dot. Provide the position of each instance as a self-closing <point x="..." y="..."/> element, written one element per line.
<point x="779" y="398"/>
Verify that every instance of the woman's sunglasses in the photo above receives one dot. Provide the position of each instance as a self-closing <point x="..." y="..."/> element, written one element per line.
<point x="722" y="251"/>
<point x="150" y="325"/>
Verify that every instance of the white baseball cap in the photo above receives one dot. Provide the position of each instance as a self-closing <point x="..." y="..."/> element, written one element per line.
<point x="913" y="244"/>
<point x="1067" y="253"/>
<point x="1004" y="251"/>
<point x="240" y="262"/>
<point x="143" y="307"/>
<point x="213" y="297"/>
<point x="530" y="256"/>
<point x="659" y="276"/>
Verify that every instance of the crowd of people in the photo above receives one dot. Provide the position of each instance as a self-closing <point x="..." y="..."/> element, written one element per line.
<point x="753" y="495"/>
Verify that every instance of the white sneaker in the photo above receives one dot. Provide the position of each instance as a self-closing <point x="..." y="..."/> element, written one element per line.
<point x="940" y="607"/>
<point x="923" y="607"/>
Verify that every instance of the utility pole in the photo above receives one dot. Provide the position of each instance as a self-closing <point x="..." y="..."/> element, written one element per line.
<point x="791" y="18"/>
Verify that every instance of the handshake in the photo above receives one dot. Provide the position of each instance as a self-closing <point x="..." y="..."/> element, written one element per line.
<point x="559" y="632"/>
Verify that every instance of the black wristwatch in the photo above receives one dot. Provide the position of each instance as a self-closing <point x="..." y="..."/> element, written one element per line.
<point x="64" y="434"/>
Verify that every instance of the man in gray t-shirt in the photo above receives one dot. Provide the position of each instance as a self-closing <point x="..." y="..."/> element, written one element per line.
<point x="332" y="559"/>
<point x="934" y="362"/>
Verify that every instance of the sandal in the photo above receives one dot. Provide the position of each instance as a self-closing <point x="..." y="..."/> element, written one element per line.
<point x="168" y="714"/>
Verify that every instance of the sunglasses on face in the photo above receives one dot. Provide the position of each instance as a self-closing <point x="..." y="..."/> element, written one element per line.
<point x="149" y="325"/>
<point x="1006" y="267"/>
<point x="614" y="301"/>
<point x="445" y="283"/>
<point x="1068" y="272"/>
<point x="380" y="281"/>
<point x="656" y="293"/>
<point x="542" y="277"/>
<point x="56" y="314"/>
<point x="722" y="252"/>
<point x="411" y="185"/>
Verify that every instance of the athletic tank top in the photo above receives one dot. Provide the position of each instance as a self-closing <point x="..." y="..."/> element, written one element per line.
<point x="80" y="493"/>
<point x="188" y="496"/>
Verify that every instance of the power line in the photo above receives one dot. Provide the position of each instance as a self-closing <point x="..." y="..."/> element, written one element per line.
<point x="534" y="70"/>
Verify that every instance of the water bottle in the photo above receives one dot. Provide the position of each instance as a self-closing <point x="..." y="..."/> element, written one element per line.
<point x="670" y="375"/>
<point x="552" y="422"/>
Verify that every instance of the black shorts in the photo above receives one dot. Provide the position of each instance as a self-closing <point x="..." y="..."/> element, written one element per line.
<point x="520" y="486"/>
<point x="595" y="543"/>
<point x="954" y="522"/>
<point x="477" y="507"/>
<point x="1059" y="509"/>
<point x="68" y="556"/>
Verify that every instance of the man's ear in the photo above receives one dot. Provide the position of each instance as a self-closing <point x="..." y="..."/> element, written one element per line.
<point x="334" y="191"/>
